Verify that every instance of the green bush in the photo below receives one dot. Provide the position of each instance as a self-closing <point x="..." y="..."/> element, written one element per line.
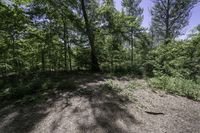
<point x="178" y="86"/>
<point x="177" y="59"/>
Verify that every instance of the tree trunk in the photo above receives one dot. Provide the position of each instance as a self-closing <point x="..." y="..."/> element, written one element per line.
<point x="94" y="60"/>
<point x="70" y="59"/>
<point x="131" y="54"/>
<point x="43" y="59"/>
<point x="112" y="62"/>
<point x="167" y="24"/>
<point x="65" y="44"/>
<point x="13" y="53"/>
<point x="15" y="61"/>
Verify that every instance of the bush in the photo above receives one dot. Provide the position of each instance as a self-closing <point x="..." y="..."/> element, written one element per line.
<point x="178" y="86"/>
<point x="178" y="59"/>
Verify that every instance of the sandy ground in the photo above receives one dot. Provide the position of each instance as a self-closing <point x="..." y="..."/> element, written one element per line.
<point x="104" y="112"/>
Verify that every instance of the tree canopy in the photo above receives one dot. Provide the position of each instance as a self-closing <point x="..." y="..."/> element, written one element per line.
<point x="51" y="35"/>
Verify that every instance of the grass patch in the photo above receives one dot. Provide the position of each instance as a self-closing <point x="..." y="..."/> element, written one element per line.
<point x="123" y="92"/>
<point x="109" y="85"/>
<point x="177" y="86"/>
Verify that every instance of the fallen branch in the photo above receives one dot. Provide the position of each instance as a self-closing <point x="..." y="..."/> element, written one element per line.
<point x="154" y="113"/>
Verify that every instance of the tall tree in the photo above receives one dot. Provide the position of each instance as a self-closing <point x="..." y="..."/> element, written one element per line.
<point x="91" y="37"/>
<point x="169" y="17"/>
<point x="132" y="8"/>
<point x="13" y="25"/>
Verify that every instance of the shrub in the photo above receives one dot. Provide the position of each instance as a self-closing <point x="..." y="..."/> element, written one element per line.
<point x="178" y="59"/>
<point x="178" y="86"/>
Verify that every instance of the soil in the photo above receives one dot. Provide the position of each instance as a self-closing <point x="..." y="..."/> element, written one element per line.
<point x="97" y="111"/>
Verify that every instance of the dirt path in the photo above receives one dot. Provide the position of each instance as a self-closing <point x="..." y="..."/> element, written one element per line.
<point x="97" y="111"/>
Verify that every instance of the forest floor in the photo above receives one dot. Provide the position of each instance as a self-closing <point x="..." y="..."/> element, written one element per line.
<point x="103" y="104"/>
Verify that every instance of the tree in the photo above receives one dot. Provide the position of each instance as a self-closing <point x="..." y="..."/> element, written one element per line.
<point x="195" y="31"/>
<point x="13" y="26"/>
<point x="131" y="8"/>
<point x="169" y="17"/>
<point x="91" y="37"/>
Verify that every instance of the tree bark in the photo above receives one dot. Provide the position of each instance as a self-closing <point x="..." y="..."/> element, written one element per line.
<point x="70" y="58"/>
<point x="94" y="60"/>
<point x="43" y="59"/>
<point x="65" y="44"/>
<point x="131" y="52"/>
<point x="167" y="24"/>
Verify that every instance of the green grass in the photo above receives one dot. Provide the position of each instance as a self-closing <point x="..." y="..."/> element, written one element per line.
<point x="125" y="92"/>
<point x="177" y="86"/>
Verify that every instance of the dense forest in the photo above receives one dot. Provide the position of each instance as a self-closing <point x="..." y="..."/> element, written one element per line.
<point x="99" y="59"/>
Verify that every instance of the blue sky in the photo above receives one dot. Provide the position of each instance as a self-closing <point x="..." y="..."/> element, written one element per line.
<point x="147" y="5"/>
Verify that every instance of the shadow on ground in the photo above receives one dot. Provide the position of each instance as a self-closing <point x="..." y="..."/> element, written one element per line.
<point x="89" y="106"/>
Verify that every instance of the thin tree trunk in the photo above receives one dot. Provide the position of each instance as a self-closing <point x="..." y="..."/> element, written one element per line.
<point x="167" y="24"/>
<point x="65" y="43"/>
<point x="70" y="59"/>
<point x="13" y="53"/>
<point x="43" y="59"/>
<point x="112" y="59"/>
<point x="4" y="60"/>
<point x="131" y="54"/>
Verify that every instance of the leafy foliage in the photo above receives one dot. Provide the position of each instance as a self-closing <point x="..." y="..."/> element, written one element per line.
<point x="179" y="59"/>
<point x="178" y="86"/>
<point x="169" y="17"/>
<point x="65" y="35"/>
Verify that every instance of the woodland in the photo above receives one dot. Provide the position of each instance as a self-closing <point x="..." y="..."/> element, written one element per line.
<point x="64" y="49"/>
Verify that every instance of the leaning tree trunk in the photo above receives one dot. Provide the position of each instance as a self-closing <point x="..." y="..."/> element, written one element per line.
<point x="94" y="60"/>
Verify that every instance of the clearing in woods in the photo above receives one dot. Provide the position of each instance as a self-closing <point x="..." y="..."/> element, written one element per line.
<point x="103" y="104"/>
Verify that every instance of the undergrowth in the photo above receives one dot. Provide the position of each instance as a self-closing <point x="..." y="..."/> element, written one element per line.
<point x="177" y="86"/>
<point x="126" y="91"/>
<point x="30" y="89"/>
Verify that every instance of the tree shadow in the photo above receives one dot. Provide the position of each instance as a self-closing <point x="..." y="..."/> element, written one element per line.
<point x="22" y="120"/>
<point x="108" y="111"/>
